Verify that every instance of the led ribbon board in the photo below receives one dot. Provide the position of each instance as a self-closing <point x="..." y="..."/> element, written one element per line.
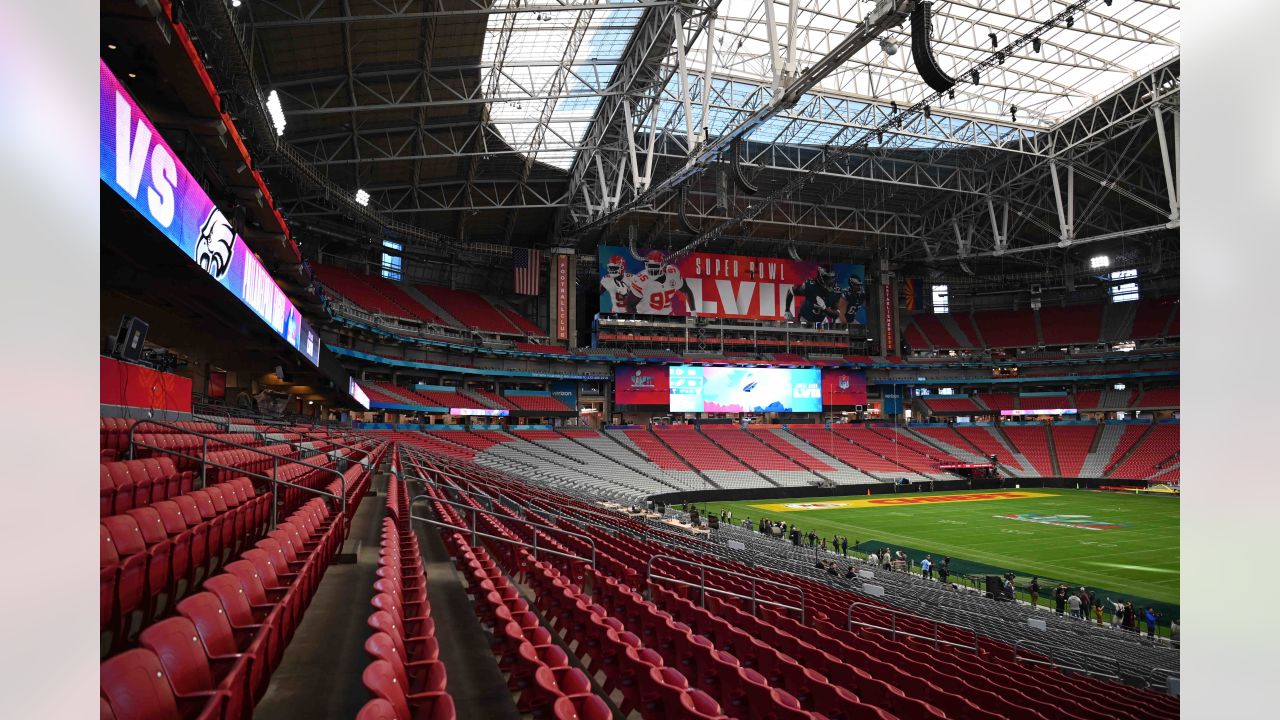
<point x="141" y="167"/>
<point x="357" y="393"/>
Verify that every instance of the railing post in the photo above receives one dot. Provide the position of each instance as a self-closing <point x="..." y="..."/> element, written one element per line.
<point x="275" y="499"/>
<point x="935" y="635"/>
<point x="473" y="527"/>
<point x="535" y="545"/>
<point x="893" y="625"/>
<point x="753" y="597"/>
<point x="704" y="585"/>
<point x="204" y="458"/>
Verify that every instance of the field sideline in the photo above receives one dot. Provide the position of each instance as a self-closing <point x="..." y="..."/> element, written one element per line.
<point x="1134" y="551"/>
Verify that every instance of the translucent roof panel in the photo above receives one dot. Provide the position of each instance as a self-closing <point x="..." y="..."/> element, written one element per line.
<point x="1105" y="48"/>
<point x="546" y="72"/>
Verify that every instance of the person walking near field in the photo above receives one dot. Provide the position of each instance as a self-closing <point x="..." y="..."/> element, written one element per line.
<point x="926" y="567"/>
<point x="1034" y="590"/>
<point x="1060" y="597"/>
<point x="1097" y="610"/>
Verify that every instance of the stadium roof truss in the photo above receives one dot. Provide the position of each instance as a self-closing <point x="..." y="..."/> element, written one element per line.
<point x="609" y="109"/>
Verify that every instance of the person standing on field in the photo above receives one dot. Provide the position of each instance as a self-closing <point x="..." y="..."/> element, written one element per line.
<point x="1073" y="600"/>
<point x="1034" y="590"/>
<point x="926" y="568"/>
<point x="1060" y="597"/>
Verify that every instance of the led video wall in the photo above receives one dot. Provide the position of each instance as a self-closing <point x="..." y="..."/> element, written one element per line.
<point x="136" y="162"/>
<point x="694" y="388"/>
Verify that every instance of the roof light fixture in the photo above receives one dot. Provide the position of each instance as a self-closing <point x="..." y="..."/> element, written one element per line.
<point x="1013" y="112"/>
<point x="974" y="74"/>
<point x="276" y="111"/>
<point x="1035" y="44"/>
<point x="362" y="197"/>
<point x="995" y="43"/>
<point x="888" y="46"/>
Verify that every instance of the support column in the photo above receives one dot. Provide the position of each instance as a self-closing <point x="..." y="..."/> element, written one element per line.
<point x="889" y="331"/>
<point x="562" y="299"/>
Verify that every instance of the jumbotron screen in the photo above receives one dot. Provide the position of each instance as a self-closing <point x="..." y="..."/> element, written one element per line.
<point x="694" y="388"/>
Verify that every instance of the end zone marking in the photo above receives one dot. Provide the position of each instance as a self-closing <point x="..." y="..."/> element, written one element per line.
<point x="897" y="501"/>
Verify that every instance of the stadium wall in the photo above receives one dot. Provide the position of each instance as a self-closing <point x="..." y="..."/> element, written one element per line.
<point x="809" y="491"/>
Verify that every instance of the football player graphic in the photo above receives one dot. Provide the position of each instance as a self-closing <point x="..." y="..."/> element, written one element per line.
<point x="653" y="291"/>
<point x="821" y="298"/>
<point x="615" y="284"/>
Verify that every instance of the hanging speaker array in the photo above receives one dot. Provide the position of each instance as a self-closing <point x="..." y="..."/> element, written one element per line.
<point x="922" y="53"/>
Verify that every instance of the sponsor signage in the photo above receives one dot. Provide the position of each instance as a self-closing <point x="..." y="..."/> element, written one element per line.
<point x="137" y="163"/>
<point x="729" y="286"/>
<point x="566" y="391"/>
<point x="842" y="388"/>
<point x="897" y="501"/>
<point x="640" y="385"/>
<point x="1041" y="411"/>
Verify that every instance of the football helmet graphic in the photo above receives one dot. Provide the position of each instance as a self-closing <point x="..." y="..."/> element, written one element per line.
<point x="216" y="244"/>
<point x="616" y="266"/>
<point x="653" y="263"/>
<point x="826" y="276"/>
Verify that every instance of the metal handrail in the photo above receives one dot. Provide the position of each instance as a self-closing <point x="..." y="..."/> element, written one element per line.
<point x="275" y="464"/>
<point x="702" y="584"/>
<point x="1115" y="664"/>
<point x="894" y="631"/>
<point x="327" y="453"/>
<point x="475" y="534"/>
<point x="473" y="493"/>
<point x="475" y="510"/>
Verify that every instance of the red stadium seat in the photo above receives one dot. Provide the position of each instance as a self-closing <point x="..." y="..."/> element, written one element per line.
<point x="134" y="687"/>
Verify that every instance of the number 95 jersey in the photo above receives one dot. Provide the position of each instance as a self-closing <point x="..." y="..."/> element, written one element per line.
<point x="655" y="295"/>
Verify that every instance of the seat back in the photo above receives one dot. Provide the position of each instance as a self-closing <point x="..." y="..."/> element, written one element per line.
<point x="177" y="643"/>
<point x="379" y="709"/>
<point x="134" y="685"/>
<point x="380" y="679"/>
<point x="205" y="612"/>
<point x="126" y="536"/>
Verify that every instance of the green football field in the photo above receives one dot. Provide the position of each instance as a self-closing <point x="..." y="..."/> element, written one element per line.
<point x="1121" y="543"/>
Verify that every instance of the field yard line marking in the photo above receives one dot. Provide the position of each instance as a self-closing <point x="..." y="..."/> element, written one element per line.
<point x="1130" y="567"/>
<point x="1083" y="575"/>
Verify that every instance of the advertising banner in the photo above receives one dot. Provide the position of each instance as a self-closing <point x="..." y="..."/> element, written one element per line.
<point x="738" y="390"/>
<point x="730" y="286"/>
<point x="562" y="297"/>
<point x="640" y="385"/>
<point x="478" y="412"/>
<point x="136" y="162"/>
<point x="841" y="388"/>
<point x="566" y="391"/>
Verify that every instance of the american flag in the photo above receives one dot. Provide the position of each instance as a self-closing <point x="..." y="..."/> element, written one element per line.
<point x="526" y="264"/>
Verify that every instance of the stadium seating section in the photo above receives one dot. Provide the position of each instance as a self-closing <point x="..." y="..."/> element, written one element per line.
<point x="460" y="308"/>
<point x="1079" y="325"/>
<point x="201" y="596"/>
<point x="614" y="617"/>
<point x="201" y="587"/>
